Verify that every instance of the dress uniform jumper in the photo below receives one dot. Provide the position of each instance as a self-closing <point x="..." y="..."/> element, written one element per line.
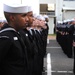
<point x="32" y="51"/>
<point x="70" y="40"/>
<point x="73" y="27"/>
<point x="13" y="54"/>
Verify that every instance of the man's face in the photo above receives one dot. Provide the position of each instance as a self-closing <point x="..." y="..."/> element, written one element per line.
<point x="1" y="24"/>
<point x="30" y="17"/>
<point x="20" y="21"/>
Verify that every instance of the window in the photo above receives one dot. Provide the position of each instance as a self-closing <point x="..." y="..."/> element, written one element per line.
<point x="50" y="7"/>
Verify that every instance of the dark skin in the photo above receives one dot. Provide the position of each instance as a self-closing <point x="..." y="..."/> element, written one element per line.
<point x="17" y="21"/>
<point x="30" y="17"/>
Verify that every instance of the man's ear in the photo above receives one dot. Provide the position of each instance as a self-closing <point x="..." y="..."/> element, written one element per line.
<point x="12" y="17"/>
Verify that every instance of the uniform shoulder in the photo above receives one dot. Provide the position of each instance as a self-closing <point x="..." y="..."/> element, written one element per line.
<point x="7" y="33"/>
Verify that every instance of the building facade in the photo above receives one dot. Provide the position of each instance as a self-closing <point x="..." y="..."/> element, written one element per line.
<point x="63" y="9"/>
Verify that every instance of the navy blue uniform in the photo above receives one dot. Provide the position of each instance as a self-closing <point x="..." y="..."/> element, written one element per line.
<point x="32" y="51"/>
<point x="13" y="55"/>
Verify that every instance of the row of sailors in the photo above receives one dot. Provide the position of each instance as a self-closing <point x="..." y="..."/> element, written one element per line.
<point x="66" y="38"/>
<point x="34" y="39"/>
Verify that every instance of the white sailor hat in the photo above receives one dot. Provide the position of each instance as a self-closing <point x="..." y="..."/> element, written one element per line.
<point x="64" y="21"/>
<point x="72" y="19"/>
<point x="30" y="9"/>
<point x="59" y="22"/>
<point x="4" y="20"/>
<point x="15" y="8"/>
<point x="35" y="15"/>
<point x="40" y="17"/>
<point x="45" y="16"/>
<point x="1" y="21"/>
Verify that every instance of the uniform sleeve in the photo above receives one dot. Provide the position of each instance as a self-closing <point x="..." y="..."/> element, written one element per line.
<point x="5" y="45"/>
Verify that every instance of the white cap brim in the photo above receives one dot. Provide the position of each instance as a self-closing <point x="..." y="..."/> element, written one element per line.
<point x="45" y="16"/>
<point x="40" y="17"/>
<point x="15" y="8"/>
<point x="30" y="9"/>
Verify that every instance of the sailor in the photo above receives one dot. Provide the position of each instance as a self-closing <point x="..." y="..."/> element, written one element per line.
<point x="13" y="54"/>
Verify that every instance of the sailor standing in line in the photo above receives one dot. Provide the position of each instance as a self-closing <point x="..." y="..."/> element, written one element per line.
<point x="31" y="46"/>
<point x="13" y="54"/>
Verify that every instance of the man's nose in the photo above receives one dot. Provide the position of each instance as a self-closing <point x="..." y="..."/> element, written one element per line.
<point x="33" y="19"/>
<point x="27" y="19"/>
